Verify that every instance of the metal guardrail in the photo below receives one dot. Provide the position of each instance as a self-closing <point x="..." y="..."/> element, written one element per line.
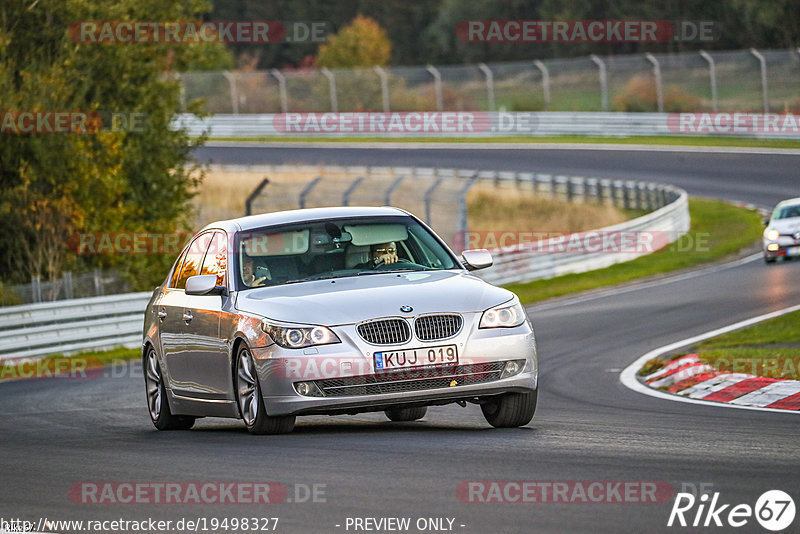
<point x="486" y="124"/>
<point x="69" y="326"/>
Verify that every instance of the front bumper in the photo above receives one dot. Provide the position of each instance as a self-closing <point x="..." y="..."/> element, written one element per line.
<point x="787" y="247"/>
<point x="279" y="369"/>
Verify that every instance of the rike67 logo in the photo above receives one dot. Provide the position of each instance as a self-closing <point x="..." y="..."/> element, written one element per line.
<point x="774" y="510"/>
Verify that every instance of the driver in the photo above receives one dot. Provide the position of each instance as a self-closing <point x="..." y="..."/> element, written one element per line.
<point x="385" y="253"/>
<point x="248" y="273"/>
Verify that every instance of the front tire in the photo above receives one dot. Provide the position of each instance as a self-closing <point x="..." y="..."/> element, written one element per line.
<point x="511" y="409"/>
<point x="250" y="402"/>
<point x="769" y="260"/>
<point x="406" y="414"/>
<point x="156" y="392"/>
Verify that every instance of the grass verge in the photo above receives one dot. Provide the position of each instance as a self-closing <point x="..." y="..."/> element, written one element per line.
<point x="718" y="229"/>
<point x="768" y="349"/>
<point x="83" y="365"/>
<point x="642" y="140"/>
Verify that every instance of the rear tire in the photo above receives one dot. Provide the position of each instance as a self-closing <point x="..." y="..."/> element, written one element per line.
<point x="250" y="401"/>
<point x="510" y="410"/>
<point x="157" y="402"/>
<point x="406" y="414"/>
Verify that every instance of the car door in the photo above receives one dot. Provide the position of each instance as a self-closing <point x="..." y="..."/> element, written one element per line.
<point x="177" y="352"/>
<point x="169" y="308"/>
<point x="208" y="364"/>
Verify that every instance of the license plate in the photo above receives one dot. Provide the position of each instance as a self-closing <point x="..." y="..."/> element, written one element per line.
<point x="403" y="359"/>
<point x="793" y="251"/>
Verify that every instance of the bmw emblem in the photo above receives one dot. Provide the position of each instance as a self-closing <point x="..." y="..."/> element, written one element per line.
<point x="406" y="309"/>
<point x="797" y="236"/>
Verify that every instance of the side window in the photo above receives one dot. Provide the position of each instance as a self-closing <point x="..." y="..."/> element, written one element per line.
<point x="173" y="282"/>
<point x="194" y="258"/>
<point x="216" y="261"/>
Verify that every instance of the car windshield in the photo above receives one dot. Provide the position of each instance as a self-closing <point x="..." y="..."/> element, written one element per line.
<point x="337" y="248"/>
<point x="787" y="212"/>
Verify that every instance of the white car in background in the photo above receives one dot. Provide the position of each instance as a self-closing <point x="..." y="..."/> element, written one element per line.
<point x="782" y="234"/>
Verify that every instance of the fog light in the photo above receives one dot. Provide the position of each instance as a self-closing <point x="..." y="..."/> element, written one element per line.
<point x="307" y="389"/>
<point x="772" y="247"/>
<point x="512" y="367"/>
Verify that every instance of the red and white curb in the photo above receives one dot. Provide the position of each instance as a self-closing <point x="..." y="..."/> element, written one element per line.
<point x="689" y="377"/>
<point x="689" y="380"/>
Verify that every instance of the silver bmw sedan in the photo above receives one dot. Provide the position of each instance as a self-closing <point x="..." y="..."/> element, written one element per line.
<point x="332" y="311"/>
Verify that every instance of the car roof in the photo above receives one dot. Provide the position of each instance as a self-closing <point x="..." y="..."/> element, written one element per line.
<point x="788" y="202"/>
<point x="303" y="215"/>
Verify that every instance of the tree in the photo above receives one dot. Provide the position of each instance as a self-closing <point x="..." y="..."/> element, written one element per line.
<point x="55" y="185"/>
<point x="362" y="43"/>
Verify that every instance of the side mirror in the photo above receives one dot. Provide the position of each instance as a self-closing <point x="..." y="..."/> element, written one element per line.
<point x="476" y="259"/>
<point x="766" y="222"/>
<point x="204" y="284"/>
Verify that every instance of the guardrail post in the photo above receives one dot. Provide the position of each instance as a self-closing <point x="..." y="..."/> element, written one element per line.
<point x="67" y="277"/>
<point x="489" y="84"/>
<point x="657" y="75"/>
<point x="764" y="92"/>
<point x="350" y="189"/>
<point x="429" y="197"/>
<point x="601" y="66"/>
<point x="331" y="88"/>
<point x="545" y="82"/>
<point x="248" y="204"/>
<point x="281" y="89"/>
<point x="570" y="192"/>
<point x="36" y="289"/>
<point x="384" y="87"/>
<point x="234" y="93"/>
<point x="388" y="195"/>
<point x="437" y="86"/>
<point x="712" y="73"/>
<point x="306" y="190"/>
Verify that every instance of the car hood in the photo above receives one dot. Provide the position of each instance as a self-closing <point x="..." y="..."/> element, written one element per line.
<point x="354" y="299"/>
<point x="786" y="226"/>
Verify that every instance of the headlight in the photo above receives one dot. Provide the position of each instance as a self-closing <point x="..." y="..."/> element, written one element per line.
<point x="503" y="316"/>
<point x="771" y="234"/>
<point x="297" y="337"/>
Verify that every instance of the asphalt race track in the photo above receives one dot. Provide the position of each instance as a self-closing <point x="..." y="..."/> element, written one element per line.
<point x="588" y="427"/>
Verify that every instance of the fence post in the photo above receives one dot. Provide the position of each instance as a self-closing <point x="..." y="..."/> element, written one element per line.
<point x="98" y="282"/>
<point x="301" y="201"/>
<point x="429" y="197"/>
<point x="350" y="189"/>
<point x="384" y="88"/>
<point x="281" y="89"/>
<point x="234" y="94"/>
<point x="463" y="223"/>
<point x="712" y="72"/>
<point x="603" y="80"/>
<point x="68" y="294"/>
<point x="387" y="200"/>
<point x="657" y="74"/>
<point x="36" y="288"/>
<point x="764" y="93"/>
<point x="248" y="204"/>
<point x="489" y="84"/>
<point x="437" y="86"/>
<point x="545" y="82"/>
<point x="332" y="88"/>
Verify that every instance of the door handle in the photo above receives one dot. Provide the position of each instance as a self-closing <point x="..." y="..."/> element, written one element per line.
<point x="187" y="316"/>
<point x="162" y="314"/>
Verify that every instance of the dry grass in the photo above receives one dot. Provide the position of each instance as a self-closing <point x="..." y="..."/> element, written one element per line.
<point x="223" y="193"/>
<point x="511" y="210"/>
